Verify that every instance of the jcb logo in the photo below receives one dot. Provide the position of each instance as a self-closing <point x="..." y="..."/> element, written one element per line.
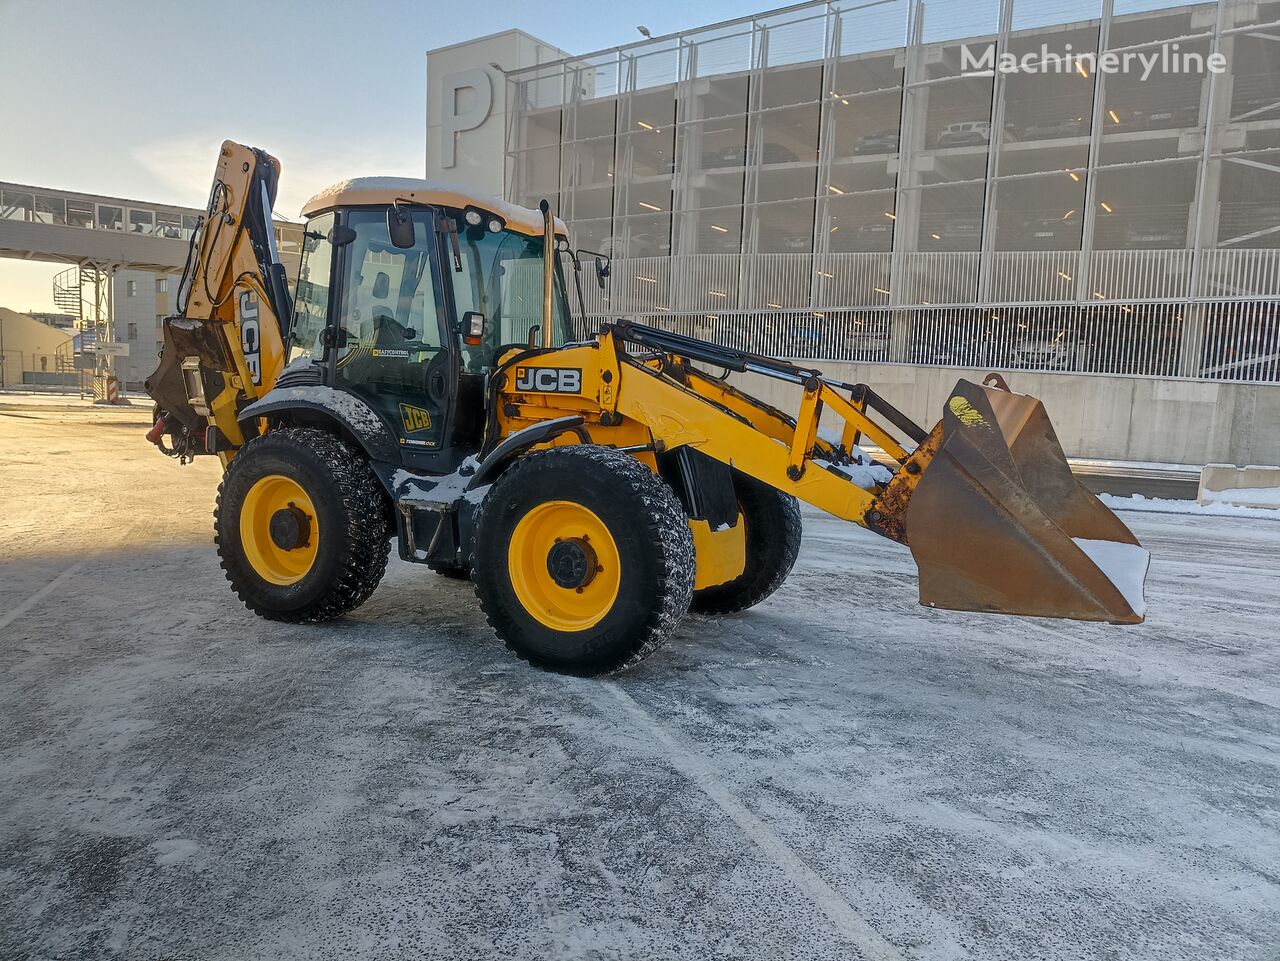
<point x="414" y="418"/>
<point x="250" y="342"/>
<point x="549" y="380"/>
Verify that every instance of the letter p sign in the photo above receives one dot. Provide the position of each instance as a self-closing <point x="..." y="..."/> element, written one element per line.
<point x="465" y="102"/>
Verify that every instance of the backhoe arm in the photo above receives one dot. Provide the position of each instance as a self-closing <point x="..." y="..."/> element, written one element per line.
<point x="226" y="345"/>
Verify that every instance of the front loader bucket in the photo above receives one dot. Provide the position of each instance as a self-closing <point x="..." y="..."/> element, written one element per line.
<point x="998" y="523"/>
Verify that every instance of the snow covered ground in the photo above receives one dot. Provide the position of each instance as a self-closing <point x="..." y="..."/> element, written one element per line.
<point x="836" y="774"/>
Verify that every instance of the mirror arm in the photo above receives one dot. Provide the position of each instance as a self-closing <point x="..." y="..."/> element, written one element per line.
<point x="446" y="225"/>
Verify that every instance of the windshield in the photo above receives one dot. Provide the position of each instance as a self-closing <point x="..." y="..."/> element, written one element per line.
<point x="501" y="277"/>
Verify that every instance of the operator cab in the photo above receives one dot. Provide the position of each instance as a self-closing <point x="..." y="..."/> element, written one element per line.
<point x="407" y="294"/>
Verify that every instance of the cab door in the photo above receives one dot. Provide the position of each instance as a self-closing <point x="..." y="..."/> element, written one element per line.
<point x="392" y="345"/>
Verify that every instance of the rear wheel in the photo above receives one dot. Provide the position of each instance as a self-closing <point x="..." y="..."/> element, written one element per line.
<point x="773" y="543"/>
<point x="301" y="526"/>
<point x="582" y="561"/>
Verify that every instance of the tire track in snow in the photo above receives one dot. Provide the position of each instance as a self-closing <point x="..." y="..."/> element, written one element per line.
<point x="38" y="596"/>
<point x="856" y="929"/>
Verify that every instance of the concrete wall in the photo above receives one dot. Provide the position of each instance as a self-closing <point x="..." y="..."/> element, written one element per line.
<point x="1095" y="416"/>
<point x="479" y="158"/>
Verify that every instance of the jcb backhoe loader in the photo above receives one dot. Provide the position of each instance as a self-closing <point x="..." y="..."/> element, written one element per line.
<point x="424" y="381"/>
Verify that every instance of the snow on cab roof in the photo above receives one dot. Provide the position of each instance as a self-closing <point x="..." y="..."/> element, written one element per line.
<point x="379" y="191"/>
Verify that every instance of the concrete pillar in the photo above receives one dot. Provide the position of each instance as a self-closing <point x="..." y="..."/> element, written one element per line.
<point x="899" y="336"/>
<point x="1191" y="348"/>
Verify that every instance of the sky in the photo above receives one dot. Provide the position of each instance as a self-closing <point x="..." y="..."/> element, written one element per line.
<point x="132" y="98"/>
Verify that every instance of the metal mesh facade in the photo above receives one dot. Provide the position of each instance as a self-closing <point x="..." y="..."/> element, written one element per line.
<point x="855" y="182"/>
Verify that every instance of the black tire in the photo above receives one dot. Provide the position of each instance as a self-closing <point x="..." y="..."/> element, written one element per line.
<point x="457" y="572"/>
<point x="353" y="539"/>
<point x="654" y="549"/>
<point x="773" y="543"/>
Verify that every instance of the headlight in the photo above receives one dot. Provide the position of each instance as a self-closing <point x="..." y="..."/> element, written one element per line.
<point x="473" y="218"/>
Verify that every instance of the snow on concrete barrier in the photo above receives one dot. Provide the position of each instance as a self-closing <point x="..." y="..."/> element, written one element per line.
<point x="1241" y="486"/>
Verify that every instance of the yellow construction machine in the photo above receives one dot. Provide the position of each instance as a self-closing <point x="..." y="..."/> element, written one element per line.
<point x="422" y="380"/>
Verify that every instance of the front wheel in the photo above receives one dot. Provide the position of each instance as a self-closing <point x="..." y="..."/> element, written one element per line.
<point x="301" y="526"/>
<point x="582" y="561"/>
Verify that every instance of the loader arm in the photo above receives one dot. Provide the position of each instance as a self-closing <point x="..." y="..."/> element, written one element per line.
<point x="985" y="500"/>
<point x="683" y="406"/>
<point x="226" y="345"/>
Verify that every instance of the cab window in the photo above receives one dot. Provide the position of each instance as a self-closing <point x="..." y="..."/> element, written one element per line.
<point x="387" y="297"/>
<point x="311" y="303"/>
<point x="501" y="277"/>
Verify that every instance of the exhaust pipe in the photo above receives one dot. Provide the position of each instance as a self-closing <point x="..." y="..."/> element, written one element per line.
<point x="548" y="268"/>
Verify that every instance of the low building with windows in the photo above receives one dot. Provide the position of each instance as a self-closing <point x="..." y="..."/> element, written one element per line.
<point x="32" y="352"/>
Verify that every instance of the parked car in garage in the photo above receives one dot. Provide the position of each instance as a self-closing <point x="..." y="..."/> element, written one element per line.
<point x="875" y="234"/>
<point x="883" y="141"/>
<point x="967" y="133"/>
<point x="1167" y="117"/>
<point x="1156" y="233"/>
<point x="1054" y="129"/>
<point x="1045" y="231"/>
<point x="736" y="156"/>
<point x="1048" y="348"/>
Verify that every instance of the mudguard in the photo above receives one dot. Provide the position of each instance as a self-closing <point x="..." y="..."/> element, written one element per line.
<point x="349" y="412"/>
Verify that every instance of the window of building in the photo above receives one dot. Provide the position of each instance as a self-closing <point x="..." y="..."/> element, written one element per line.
<point x="133" y="331"/>
<point x="159" y="321"/>
<point x="162" y="285"/>
<point x="168" y="226"/>
<point x="51" y="210"/>
<point x="80" y="213"/>
<point x="131" y="288"/>
<point x="110" y="218"/>
<point x="141" y="222"/>
<point x="16" y="206"/>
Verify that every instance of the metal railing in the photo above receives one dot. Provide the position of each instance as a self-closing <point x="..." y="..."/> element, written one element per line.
<point x="794" y="306"/>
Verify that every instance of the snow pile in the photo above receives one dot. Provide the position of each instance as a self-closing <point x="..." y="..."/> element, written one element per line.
<point x="1261" y="497"/>
<point x="442" y="488"/>
<point x="863" y="471"/>
<point x="1125" y="566"/>
<point x="301" y="362"/>
<point x="1158" y="505"/>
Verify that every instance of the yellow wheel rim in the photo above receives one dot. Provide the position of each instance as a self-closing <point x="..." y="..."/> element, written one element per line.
<point x="279" y="530"/>
<point x="564" y="566"/>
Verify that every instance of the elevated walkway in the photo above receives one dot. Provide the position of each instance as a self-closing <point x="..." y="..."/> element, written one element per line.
<point x="61" y="226"/>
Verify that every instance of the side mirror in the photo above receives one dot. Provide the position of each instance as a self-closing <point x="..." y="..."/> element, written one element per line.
<point x="381" y="285"/>
<point x="400" y="227"/>
<point x="472" y="328"/>
<point x="602" y="271"/>
<point x="341" y="236"/>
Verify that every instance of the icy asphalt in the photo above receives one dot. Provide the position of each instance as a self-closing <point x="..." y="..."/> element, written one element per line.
<point x="836" y="774"/>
